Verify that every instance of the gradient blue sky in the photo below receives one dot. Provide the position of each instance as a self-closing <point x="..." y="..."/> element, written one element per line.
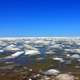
<point x="39" y="17"/>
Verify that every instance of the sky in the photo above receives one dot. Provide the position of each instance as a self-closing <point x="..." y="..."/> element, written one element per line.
<point x="39" y="17"/>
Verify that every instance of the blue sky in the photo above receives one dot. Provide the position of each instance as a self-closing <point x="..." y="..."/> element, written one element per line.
<point x="39" y="18"/>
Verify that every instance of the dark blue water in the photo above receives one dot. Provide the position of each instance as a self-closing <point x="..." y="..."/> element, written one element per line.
<point x="42" y="51"/>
